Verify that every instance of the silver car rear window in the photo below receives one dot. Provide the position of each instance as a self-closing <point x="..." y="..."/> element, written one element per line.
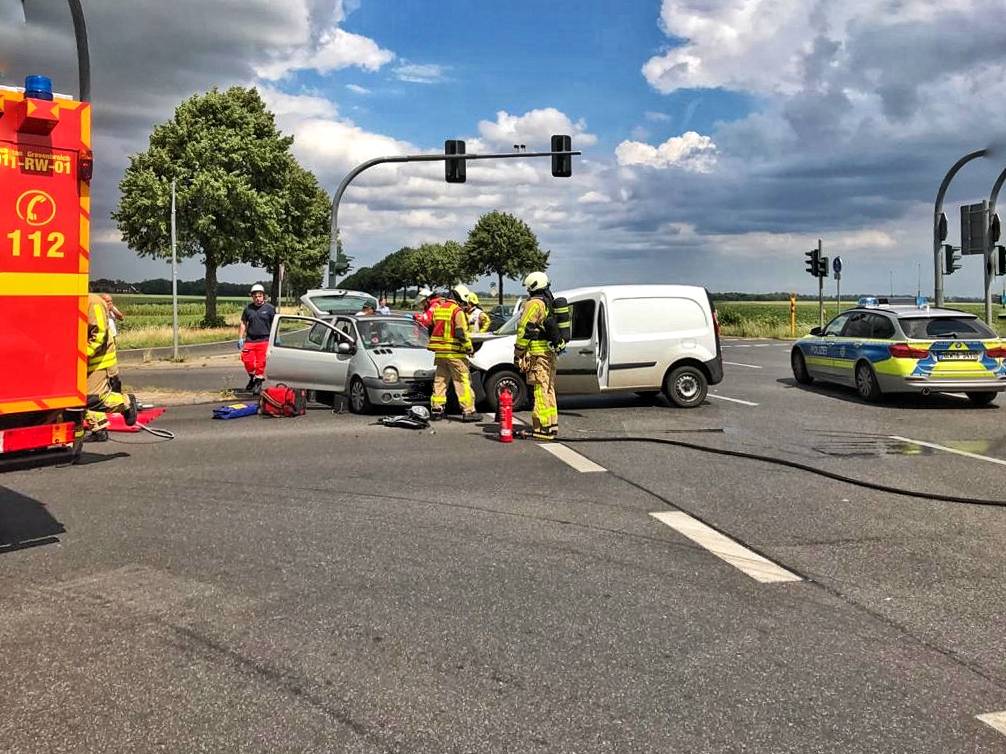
<point x="342" y="304"/>
<point x="945" y="327"/>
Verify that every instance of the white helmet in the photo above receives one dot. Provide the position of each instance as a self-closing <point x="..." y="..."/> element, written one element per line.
<point x="257" y="288"/>
<point x="461" y="291"/>
<point x="536" y="281"/>
<point x="424" y="292"/>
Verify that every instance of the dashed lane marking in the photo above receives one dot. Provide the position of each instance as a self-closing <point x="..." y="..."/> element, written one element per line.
<point x="964" y="453"/>
<point x="747" y="561"/>
<point x="570" y="457"/>
<point x="995" y="720"/>
<point x="732" y="400"/>
<point x="738" y="364"/>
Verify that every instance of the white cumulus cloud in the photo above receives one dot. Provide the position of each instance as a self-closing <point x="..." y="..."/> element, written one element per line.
<point x="420" y="73"/>
<point x="692" y="152"/>
<point x="534" y="128"/>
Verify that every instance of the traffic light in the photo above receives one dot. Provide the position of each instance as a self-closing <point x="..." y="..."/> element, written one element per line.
<point x="952" y="258"/>
<point x="822" y="267"/>
<point x="454" y="170"/>
<point x="813" y="262"/>
<point x="999" y="260"/>
<point x="562" y="164"/>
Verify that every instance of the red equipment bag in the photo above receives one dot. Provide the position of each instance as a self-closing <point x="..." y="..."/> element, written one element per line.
<point x="280" y="400"/>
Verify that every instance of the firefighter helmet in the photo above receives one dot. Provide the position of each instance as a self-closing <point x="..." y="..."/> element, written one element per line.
<point x="257" y="288"/>
<point x="461" y="292"/>
<point x="473" y="299"/>
<point x="536" y="281"/>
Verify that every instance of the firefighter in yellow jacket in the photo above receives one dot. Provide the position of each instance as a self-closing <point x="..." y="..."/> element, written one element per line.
<point x="535" y="356"/>
<point x="102" y="363"/>
<point x="451" y="347"/>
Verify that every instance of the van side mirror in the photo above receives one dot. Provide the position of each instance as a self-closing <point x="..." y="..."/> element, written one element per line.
<point x="816" y="331"/>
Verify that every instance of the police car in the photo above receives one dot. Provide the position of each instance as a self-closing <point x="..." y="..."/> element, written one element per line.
<point x="878" y="348"/>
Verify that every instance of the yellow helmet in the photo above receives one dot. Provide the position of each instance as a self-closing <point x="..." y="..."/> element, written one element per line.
<point x="473" y="299"/>
<point x="536" y="281"/>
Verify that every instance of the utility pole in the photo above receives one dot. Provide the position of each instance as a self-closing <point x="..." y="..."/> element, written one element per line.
<point x="174" y="279"/>
<point x="820" y="287"/>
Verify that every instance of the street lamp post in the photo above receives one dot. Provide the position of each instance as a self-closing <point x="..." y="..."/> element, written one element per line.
<point x="937" y="213"/>
<point x="991" y="246"/>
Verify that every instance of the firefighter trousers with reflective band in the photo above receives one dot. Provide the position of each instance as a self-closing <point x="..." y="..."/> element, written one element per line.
<point x="452" y="369"/>
<point x="541" y="377"/>
<point x="101" y="399"/>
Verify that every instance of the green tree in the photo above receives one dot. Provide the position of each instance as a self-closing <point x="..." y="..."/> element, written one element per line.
<point x="502" y="245"/>
<point x="230" y="163"/>
<point x="440" y="264"/>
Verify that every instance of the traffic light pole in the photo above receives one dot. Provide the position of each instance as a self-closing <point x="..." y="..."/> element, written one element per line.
<point x="333" y="260"/>
<point x="820" y="290"/>
<point x="990" y="251"/>
<point x="937" y="213"/>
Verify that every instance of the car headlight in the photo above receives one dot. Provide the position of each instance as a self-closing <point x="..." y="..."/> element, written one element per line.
<point x="390" y="374"/>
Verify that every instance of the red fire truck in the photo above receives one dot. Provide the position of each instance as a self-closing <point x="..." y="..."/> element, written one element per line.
<point x="45" y="173"/>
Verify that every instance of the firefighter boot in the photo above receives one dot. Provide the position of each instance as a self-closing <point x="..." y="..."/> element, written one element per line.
<point x="132" y="410"/>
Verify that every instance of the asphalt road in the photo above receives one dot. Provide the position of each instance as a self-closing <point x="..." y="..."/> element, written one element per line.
<point x="327" y="584"/>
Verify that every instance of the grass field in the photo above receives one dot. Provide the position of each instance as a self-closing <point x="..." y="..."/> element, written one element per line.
<point x="148" y="318"/>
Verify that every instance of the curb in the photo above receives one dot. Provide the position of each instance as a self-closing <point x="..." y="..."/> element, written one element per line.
<point x="163" y="353"/>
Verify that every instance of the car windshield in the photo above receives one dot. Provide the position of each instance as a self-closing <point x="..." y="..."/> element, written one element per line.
<point x="391" y="333"/>
<point x="923" y="328"/>
<point x="345" y="304"/>
<point x="510" y="326"/>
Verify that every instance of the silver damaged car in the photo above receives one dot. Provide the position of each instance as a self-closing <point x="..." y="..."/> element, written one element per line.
<point x="370" y="360"/>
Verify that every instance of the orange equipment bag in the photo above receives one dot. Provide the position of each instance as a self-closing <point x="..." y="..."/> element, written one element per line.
<point x="280" y="400"/>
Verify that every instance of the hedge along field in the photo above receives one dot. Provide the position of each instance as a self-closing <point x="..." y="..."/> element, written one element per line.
<point x="770" y="319"/>
<point x="148" y="320"/>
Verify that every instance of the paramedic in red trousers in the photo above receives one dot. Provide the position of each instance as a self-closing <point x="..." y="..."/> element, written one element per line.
<point x="253" y="337"/>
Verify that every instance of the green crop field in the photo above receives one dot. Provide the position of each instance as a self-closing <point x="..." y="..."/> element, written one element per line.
<point x="770" y="319"/>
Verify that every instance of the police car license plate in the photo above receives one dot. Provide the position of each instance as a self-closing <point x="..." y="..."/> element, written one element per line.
<point x="959" y="356"/>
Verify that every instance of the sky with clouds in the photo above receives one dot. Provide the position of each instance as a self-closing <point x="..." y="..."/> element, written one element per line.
<point x="720" y="138"/>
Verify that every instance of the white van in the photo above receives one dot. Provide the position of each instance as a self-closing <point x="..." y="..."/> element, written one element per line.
<point x="637" y="338"/>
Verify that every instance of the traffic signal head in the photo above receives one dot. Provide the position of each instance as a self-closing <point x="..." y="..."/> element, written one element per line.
<point x="822" y="267"/>
<point x="562" y="164"/>
<point x="999" y="260"/>
<point x="454" y="170"/>
<point x="952" y="258"/>
<point x="813" y="262"/>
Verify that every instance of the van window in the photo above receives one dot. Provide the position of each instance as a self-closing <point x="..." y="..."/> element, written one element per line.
<point x="649" y="316"/>
<point x="582" y="314"/>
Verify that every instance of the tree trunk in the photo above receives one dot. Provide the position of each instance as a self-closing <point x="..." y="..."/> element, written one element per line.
<point x="274" y="288"/>
<point x="211" y="319"/>
<point x="500" y="276"/>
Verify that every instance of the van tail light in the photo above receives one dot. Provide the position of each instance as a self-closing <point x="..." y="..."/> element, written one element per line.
<point x="996" y="352"/>
<point x="905" y="351"/>
<point x="716" y="324"/>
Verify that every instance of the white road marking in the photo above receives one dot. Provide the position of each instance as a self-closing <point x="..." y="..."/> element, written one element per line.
<point x="570" y="457"/>
<point x="763" y="345"/>
<point x="965" y="453"/>
<point x="738" y="364"/>
<point x="732" y="400"/>
<point x="720" y="545"/>
<point x="995" y="720"/>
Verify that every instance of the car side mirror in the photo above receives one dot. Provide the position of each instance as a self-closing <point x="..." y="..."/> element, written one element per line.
<point x="816" y="331"/>
<point x="345" y="347"/>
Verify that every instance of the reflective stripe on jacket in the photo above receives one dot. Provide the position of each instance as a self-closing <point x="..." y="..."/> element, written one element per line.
<point x="531" y="319"/>
<point x="449" y="333"/>
<point x="100" y="346"/>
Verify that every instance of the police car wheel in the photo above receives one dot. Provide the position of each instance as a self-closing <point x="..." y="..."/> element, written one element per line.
<point x="686" y="387"/>
<point x="866" y="382"/>
<point x="981" y="399"/>
<point x="359" y="403"/>
<point x="799" y="364"/>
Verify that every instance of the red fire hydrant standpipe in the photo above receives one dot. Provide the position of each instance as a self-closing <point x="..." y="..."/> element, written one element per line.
<point x="506" y="416"/>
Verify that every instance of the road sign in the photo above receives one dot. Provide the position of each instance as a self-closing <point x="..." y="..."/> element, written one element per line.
<point x="836" y="265"/>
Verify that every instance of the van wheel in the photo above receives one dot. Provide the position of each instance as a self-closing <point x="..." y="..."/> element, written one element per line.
<point x="359" y="403"/>
<point x="511" y="380"/>
<point x="686" y="387"/>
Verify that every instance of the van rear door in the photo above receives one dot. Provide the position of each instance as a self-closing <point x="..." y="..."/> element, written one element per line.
<point x="576" y="367"/>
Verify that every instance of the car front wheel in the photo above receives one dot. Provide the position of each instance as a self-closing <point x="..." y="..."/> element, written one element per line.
<point x="686" y="387"/>
<point x="866" y="383"/>
<point x="981" y="399"/>
<point x="359" y="403"/>
<point x="800" y="372"/>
